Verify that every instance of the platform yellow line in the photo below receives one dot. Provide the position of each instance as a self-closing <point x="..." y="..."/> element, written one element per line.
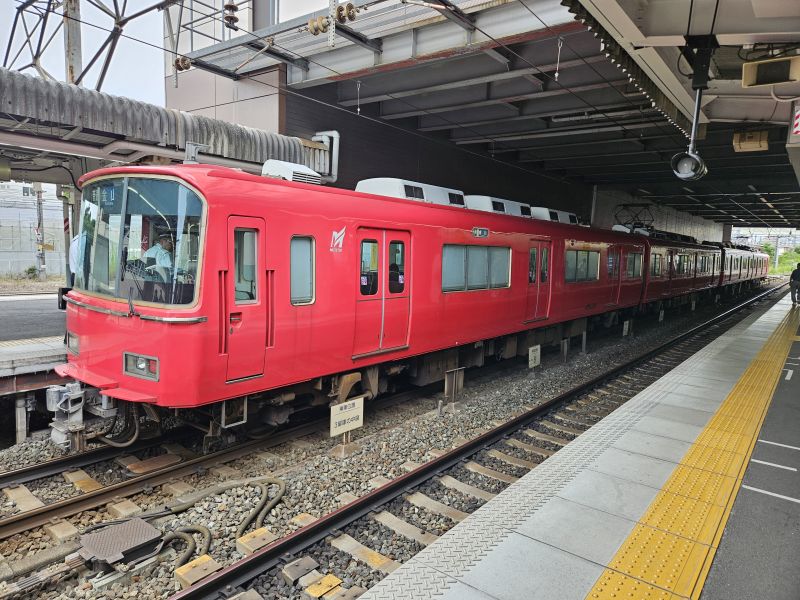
<point x="670" y="550"/>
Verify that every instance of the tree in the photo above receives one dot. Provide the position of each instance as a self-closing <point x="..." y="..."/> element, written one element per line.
<point x="769" y="249"/>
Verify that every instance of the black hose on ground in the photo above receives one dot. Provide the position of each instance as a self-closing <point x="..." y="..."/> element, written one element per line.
<point x="187" y="539"/>
<point x="264" y="506"/>
<point x="203" y="531"/>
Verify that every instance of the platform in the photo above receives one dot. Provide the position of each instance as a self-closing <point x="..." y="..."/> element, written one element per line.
<point x="686" y="491"/>
<point x="27" y="365"/>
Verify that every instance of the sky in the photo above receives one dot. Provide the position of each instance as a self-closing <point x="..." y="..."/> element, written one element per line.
<point x="137" y="69"/>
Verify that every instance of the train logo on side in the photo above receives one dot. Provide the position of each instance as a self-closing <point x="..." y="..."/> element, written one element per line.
<point x="337" y="240"/>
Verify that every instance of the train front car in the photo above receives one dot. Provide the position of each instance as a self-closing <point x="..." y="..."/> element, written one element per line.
<point x="133" y="335"/>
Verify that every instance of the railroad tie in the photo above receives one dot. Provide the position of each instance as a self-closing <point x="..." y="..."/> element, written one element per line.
<point x="22" y="498"/>
<point x="438" y="508"/>
<point x="82" y="481"/>
<point x="465" y="488"/>
<point x="561" y="428"/>
<point x="490" y="473"/>
<point x="529" y="448"/>
<point x="360" y="552"/>
<point x="404" y="528"/>
<point x="543" y="437"/>
<point x="512" y="460"/>
<point x="565" y="416"/>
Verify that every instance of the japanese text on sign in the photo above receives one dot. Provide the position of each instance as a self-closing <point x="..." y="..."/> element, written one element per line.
<point x="347" y="416"/>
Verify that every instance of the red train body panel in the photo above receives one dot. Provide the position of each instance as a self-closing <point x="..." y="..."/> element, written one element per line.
<point x="377" y="283"/>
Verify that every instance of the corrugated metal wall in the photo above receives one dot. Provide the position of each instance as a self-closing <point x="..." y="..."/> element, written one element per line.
<point x="370" y="149"/>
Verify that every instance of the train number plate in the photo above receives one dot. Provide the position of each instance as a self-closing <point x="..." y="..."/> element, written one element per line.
<point x="347" y="416"/>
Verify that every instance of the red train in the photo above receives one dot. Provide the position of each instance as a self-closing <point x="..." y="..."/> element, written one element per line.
<point x="253" y="297"/>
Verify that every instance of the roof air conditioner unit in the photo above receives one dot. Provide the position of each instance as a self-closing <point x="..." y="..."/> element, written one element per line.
<point x="281" y="169"/>
<point x="750" y="141"/>
<point x="771" y="71"/>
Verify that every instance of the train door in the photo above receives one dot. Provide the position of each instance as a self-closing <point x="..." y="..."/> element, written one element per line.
<point x="538" y="300"/>
<point x="383" y="298"/>
<point x="614" y="273"/>
<point x="245" y="304"/>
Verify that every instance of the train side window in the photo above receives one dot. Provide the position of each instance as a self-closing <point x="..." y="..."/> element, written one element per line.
<point x="301" y="265"/>
<point x="581" y="265"/>
<point x="545" y="266"/>
<point x="477" y="267"/>
<point x="368" y="278"/>
<point x="532" y="266"/>
<point x="498" y="206"/>
<point x="499" y="263"/>
<point x="246" y="272"/>
<point x="633" y="267"/>
<point x="655" y="265"/>
<point x="454" y="261"/>
<point x="613" y="264"/>
<point x="553" y="215"/>
<point x="414" y="191"/>
<point x="397" y="267"/>
<point x="525" y="211"/>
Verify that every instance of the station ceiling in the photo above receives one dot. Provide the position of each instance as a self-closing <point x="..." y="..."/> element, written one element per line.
<point x="558" y="88"/>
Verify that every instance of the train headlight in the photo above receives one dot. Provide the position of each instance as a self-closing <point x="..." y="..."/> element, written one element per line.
<point x="73" y="345"/>
<point x="138" y="365"/>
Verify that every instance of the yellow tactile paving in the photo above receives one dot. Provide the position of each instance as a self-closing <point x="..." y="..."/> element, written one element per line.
<point x="616" y="585"/>
<point x="669" y="552"/>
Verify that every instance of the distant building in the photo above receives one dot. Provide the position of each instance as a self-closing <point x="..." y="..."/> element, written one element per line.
<point x="18" y="229"/>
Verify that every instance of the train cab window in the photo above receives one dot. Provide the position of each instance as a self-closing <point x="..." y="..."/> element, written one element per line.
<point x="301" y="265"/>
<point x="544" y="270"/>
<point x="456" y="199"/>
<point x="581" y="265"/>
<point x="414" y="191"/>
<point x="633" y="265"/>
<point x="397" y="268"/>
<point x="498" y="206"/>
<point x="532" y="266"/>
<point x="368" y="278"/>
<point x="525" y="211"/>
<point x="244" y="258"/>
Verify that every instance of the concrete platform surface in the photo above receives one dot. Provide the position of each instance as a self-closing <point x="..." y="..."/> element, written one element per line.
<point x="650" y="500"/>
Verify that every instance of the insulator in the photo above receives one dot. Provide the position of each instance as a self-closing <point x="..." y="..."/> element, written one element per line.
<point x="230" y="21"/>
<point x="182" y="63"/>
<point x="322" y="24"/>
<point x="350" y="9"/>
<point x="230" y="7"/>
<point x="312" y="27"/>
<point x="341" y="16"/>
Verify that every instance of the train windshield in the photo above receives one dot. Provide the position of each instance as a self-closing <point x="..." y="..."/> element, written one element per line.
<point x="139" y="240"/>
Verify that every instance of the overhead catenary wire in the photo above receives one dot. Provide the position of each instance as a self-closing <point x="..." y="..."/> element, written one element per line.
<point x="287" y="90"/>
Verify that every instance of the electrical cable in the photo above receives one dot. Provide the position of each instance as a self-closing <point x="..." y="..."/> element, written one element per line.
<point x="71" y="176"/>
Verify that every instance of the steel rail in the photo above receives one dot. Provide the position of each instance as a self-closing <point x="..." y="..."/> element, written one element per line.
<point x="76" y="461"/>
<point x="225" y="582"/>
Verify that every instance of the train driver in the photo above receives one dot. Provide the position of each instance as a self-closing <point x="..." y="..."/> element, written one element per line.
<point x="161" y="251"/>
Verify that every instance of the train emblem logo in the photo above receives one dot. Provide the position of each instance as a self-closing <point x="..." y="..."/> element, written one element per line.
<point x="337" y="240"/>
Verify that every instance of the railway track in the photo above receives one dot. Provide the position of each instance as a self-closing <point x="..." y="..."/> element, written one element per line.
<point x="474" y="472"/>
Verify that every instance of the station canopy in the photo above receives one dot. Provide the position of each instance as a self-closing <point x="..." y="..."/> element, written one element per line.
<point x="595" y="91"/>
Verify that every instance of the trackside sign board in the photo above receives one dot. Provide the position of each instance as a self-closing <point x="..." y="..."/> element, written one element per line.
<point x="347" y="416"/>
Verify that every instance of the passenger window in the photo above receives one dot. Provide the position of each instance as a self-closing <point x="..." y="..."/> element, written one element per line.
<point x="244" y="258"/>
<point x="413" y="191"/>
<point x="634" y="265"/>
<point x="368" y="280"/>
<point x="301" y="264"/>
<point x="532" y="266"/>
<point x="545" y="270"/>
<point x="498" y="206"/>
<point x="581" y="265"/>
<point x="397" y="268"/>
<point x="525" y="210"/>
<point x="499" y="267"/>
<point x="477" y="267"/>
<point x="553" y="215"/>
<point x="613" y="264"/>
<point x="454" y="260"/>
